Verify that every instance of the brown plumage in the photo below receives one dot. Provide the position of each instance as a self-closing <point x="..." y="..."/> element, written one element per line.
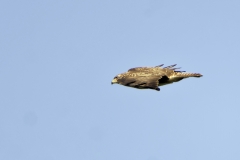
<point x="151" y="77"/>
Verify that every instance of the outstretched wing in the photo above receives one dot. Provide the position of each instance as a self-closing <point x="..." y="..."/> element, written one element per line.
<point x="167" y="70"/>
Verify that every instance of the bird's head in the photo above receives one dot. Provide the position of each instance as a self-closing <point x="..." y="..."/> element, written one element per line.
<point x="115" y="79"/>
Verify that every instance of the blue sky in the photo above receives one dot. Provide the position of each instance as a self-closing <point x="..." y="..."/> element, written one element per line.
<point x="57" y="59"/>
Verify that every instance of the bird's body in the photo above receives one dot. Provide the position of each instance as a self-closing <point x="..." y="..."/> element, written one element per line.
<point x="151" y="77"/>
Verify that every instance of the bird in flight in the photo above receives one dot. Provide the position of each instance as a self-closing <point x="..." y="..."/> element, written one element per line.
<point x="151" y="77"/>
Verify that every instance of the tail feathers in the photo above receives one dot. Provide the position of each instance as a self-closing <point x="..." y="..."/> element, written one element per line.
<point x="186" y="75"/>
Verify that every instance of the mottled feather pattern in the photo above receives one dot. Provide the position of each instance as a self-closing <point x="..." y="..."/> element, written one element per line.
<point x="185" y="75"/>
<point x="152" y="77"/>
<point x="158" y="68"/>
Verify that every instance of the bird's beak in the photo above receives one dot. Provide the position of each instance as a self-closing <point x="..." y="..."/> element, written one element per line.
<point x="114" y="81"/>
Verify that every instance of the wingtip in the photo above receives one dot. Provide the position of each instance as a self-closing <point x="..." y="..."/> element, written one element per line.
<point x="160" y="65"/>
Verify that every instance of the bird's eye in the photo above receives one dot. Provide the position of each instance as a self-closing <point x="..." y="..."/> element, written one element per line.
<point x="115" y="77"/>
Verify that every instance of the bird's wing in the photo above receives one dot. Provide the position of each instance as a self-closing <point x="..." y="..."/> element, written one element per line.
<point x="141" y="80"/>
<point x="167" y="70"/>
<point x="139" y="69"/>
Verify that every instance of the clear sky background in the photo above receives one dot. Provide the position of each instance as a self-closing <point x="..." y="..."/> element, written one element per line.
<point x="57" y="60"/>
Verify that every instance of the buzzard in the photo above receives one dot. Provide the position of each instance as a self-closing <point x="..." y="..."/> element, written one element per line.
<point x="151" y="77"/>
